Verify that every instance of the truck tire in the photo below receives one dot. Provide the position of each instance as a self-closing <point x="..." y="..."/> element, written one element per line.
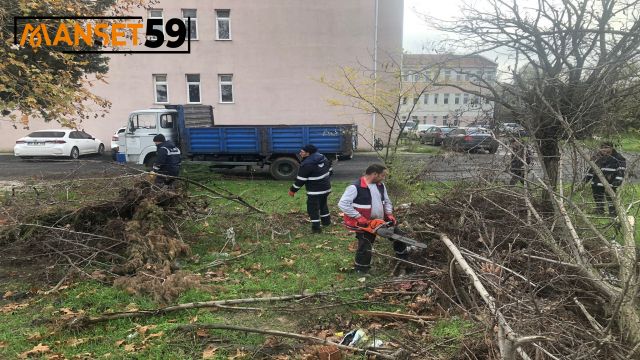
<point x="284" y="168"/>
<point x="149" y="161"/>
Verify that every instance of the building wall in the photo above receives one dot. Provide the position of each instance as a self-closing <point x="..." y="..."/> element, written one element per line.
<point x="475" y="110"/>
<point x="278" y="51"/>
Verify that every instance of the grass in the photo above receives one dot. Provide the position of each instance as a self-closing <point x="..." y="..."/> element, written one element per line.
<point x="283" y="258"/>
<point x="625" y="142"/>
<point x="418" y="148"/>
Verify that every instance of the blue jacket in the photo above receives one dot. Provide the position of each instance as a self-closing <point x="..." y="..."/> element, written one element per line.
<point x="314" y="173"/>
<point x="168" y="159"/>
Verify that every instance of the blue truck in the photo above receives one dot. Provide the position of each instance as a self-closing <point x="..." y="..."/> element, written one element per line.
<point x="193" y="129"/>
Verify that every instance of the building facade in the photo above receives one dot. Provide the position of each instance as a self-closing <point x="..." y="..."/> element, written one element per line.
<point x="255" y="61"/>
<point x="446" y="89"/>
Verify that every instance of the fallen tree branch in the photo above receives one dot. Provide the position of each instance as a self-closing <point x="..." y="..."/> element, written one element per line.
<point x="507" y="338"/>
<point x="392" y="315"/>
<point x="314" y="339"/>
<point x="79" y="322"/>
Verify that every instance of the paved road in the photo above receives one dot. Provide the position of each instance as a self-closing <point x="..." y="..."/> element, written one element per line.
<point x="449" y="166"/>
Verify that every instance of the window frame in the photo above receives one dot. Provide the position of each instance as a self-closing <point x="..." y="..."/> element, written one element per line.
<point x="445" y="99"/>
<point x="218" y="18"/>
<point x="155" y="17"/>
<point x="456" y="99"/>
<point x="194" y="19"/>
<point x="186" y="78"/>
<point x="155" y="88"/>
<point x="220" y="84"/>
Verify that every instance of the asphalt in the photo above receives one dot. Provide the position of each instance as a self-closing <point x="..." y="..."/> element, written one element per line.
<point x="443" y="167"/>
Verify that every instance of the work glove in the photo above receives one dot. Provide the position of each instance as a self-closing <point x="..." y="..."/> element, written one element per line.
<point x="362" y="221"/>
<point x="291" y="193"/>
<point x="391" y="218"/>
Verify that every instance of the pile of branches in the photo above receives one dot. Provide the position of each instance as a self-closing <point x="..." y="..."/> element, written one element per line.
<point x="501" y="252"/>
<point x="131" y="240"/>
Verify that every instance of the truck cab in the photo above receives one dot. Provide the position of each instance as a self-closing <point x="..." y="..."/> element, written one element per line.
<point x="137" y="142"/>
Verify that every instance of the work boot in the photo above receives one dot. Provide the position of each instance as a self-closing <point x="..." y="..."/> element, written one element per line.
<point x="326" y="222"/>
<point x="316" y="230"/>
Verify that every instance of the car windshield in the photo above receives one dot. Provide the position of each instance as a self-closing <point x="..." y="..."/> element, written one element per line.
<point x="446" y="130"/>
<point x="47" y="134"/>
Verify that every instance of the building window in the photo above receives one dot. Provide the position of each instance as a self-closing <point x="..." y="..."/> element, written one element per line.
<point x="446" y="99"/>
<point x="447" y="75"/>
<point x="416" y="99"/>
<point x="465" y="99"/>
<point x="445" y="120"/>
<point x="424" y="119"/>
<point x="405" y="77"/>
<point x="435" y="119"/>
<point x="435" y="99"/>
<point x="226" y="88"/>
<point x="486" y="100"/>
<point x="191" y="16"/>
<point x="458" y="76"/>
<point x="404" y="118"/>
<point x="414" y="118"/>
<point x="466" y="77"/>
<point x="427" y="75"/>
<point x="457" y="99"/>
<point x="416" y="77"/>
<point x="404" y="100"/>
<point x="161" y="88"/>
<point x="223" y="25"/>
<point x="156" y="14"/>
<point x="426" y="99"/>
<point x="193" y="89"/>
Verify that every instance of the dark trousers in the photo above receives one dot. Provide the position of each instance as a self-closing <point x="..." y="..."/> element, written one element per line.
<point x="171" y="171"/>
<point x="602" y="199"/>
<point x="318" y="210"/>
<point x="517" y="175"/>
<point x="365" y="244"/>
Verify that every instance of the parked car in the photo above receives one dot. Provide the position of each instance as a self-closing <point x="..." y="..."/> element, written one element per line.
<point x="420" y="129"/>
<point x="408" y="128"/>
<point x="114" y="142"/>
<point x="65" y="142"/>
<point x="435" y="134"/>
<point x="512" y="129"/>
<point x="471" y="139"/>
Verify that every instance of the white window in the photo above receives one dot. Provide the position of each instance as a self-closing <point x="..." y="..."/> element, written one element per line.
<point x="447" y="75"/>
<point x="416" y="77"/>
<point x="193" y="89"/>
<point x="458" y="76"/>
<point x="226" y="88"/>
<point x="465" y="99"/>
<point x="446" y="99"/>
<point x="415" y="118"/>
<point x="435" y="119"/>
<point x="156" y="14"/>
<point x="457" y="99"/>
<point x="445" y="120"/>
<point x="424" y="119"/>
<point x="404" y="100"/>
<point x="405" y="77"/>
<point x="416" y="99"/>
<point x="404" y="118"/>
<point x="190" y="16"/>
<point x="223" y="24"/>
<point x="435" y="99"/>
<point x="161" y="88"/>
<point x="426" y="99"/>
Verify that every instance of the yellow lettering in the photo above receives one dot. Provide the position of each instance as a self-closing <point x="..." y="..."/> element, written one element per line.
<point x="134" y="32"/>
<point x="97" y="30"/>
<point x="62" y="35"/>
<point x="116" y="32"/>
<point x="78" y="32"/>
<point x="35" y="35"/>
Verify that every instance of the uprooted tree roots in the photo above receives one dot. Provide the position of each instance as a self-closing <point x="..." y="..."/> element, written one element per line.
<point x="133" y="238"/>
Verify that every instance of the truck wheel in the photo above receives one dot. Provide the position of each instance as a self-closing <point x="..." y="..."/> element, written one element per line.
<point x="345" y="157"/>
<point x="284" y="168"/>
<point x="149" y="160"/>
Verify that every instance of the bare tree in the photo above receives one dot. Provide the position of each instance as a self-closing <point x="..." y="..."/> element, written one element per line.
<point x="379" y="93"/>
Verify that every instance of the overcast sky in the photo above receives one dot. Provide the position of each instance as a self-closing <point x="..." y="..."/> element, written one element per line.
<point x="417" y="35"/>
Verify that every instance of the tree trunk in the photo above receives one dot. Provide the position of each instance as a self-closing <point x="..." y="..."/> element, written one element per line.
<point x="550" y="154"/>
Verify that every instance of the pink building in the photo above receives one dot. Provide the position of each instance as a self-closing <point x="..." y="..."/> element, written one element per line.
<point x="255" y="61"/>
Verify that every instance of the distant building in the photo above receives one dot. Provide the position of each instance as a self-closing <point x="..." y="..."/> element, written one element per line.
<point x="444" y="102"/>
<point x="255" y="61"/>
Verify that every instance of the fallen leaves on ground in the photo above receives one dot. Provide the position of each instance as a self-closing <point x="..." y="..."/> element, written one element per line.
<point x="37" y="350"/>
